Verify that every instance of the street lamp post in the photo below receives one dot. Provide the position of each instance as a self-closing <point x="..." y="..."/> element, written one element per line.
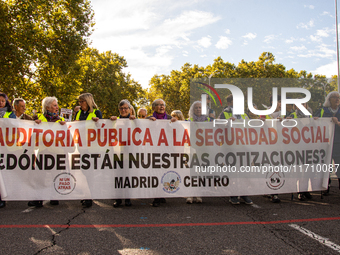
<point x="337" y="41"/>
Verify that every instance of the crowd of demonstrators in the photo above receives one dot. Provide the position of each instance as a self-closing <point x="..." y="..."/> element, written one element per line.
<point x="88" y="111"/>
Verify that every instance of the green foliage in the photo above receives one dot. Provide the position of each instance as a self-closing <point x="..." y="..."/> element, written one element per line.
<point x="175" y="88"/>
<point x="40" y="43"/>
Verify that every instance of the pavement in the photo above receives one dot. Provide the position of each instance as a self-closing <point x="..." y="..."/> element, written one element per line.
<point x="213" y="227"/>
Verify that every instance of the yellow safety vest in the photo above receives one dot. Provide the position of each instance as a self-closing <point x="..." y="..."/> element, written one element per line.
<point x="7" y="114"/>
<point x="228" y="115"/>
<point x="89" y="117"/>
<point x="43" y="118"/>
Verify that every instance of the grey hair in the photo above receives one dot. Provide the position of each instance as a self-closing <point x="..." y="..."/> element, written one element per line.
<point x="327" y="102"/>
<point x="17" y="100"/>
<point x="124" y="101"/>
<point x="191" y="111"/>
<point x="155" y="101"/>
<point x="47" y="101"/>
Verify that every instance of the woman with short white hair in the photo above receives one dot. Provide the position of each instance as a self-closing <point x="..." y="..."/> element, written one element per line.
<point x="50" y="113"/>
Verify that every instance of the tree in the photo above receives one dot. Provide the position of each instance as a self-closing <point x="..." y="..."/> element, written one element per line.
<point x="102" y="75"/>
<point x="175" y="88"/>
<point x="40" y="43"/>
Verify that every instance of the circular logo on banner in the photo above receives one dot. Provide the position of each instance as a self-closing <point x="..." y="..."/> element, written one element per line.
<point x="275" y="180"/>
<point x="64" y="183"/>
<point x="171" y="181"/>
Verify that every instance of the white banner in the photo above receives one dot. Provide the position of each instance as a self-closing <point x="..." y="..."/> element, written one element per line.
<point x="147" y="159"/>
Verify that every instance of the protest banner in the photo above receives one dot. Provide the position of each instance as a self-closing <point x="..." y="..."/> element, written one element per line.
<point x="146" y="159"/>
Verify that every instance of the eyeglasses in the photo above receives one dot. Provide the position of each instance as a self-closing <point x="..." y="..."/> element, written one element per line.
<point x="160" y="105"/>
<point x="141" y="116"/>
<point x="81" y="101"/>
<point x="124" y="108"/>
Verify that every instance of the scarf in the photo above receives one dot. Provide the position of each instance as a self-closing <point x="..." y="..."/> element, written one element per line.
<point x="160" y="116"/>
<point x="3" y="112"/>
<point x="51" y="117"/>
<point x="201" y="118"/>
<point x="333" y="111"/>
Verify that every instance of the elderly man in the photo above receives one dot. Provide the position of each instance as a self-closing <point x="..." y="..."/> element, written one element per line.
<point x="158" y="106"/>
<point x="20" y="108"/>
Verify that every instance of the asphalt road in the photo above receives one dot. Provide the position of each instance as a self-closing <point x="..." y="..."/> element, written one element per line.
<point x="213" y="227"/>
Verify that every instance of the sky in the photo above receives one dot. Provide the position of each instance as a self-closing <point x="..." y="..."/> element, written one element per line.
<point x="158" y="36"/>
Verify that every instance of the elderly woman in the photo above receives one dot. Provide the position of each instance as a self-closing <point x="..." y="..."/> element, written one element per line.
<point x="88" y="111"/>
<point x="5" y="112"/>
<point x="124" y="108"/>
<point x="50" y="113"/>
<point x="158" y="106"/>
<point x="331" y="109"/>
<point x="195" y="113"/>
